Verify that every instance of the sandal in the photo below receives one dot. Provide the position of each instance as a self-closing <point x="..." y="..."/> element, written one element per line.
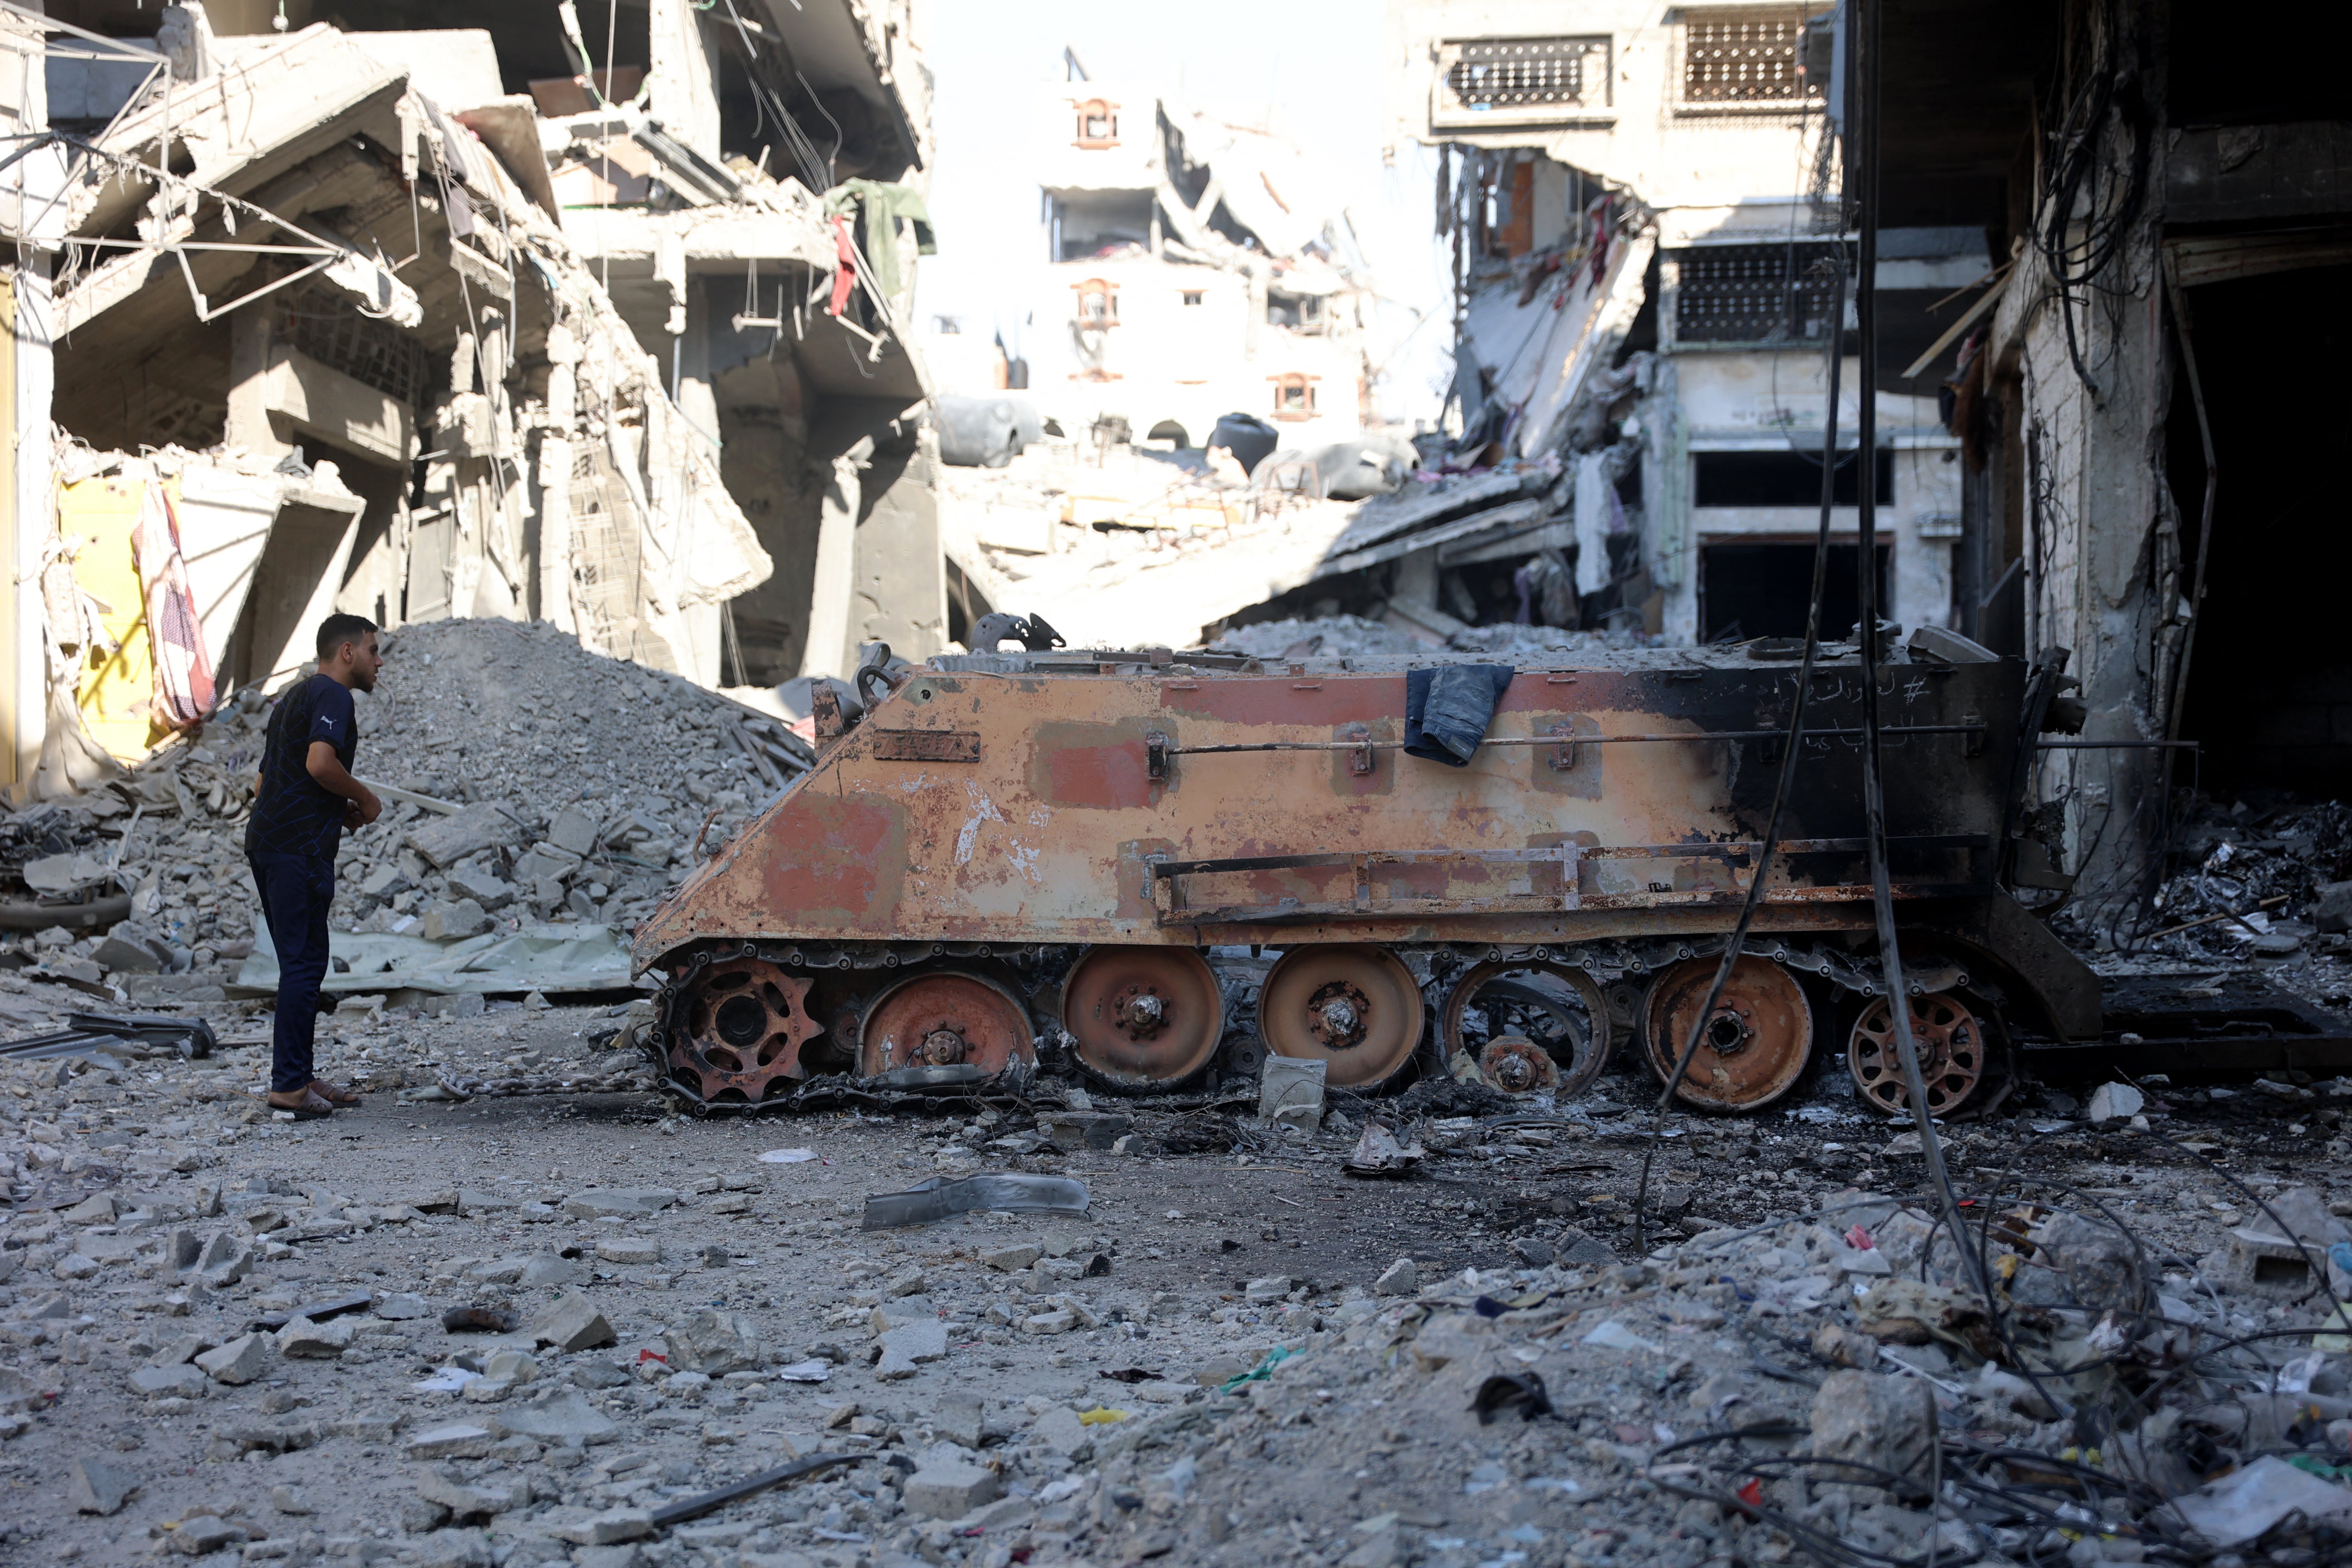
<point x="310" y="1108"/>
<point x="333" y="1094"/>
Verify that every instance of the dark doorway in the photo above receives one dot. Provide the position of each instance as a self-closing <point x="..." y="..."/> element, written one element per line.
<point x="2270" y="677"/>
<point x="1763" y="591"/>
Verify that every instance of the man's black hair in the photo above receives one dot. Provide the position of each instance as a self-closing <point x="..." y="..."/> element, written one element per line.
<point x="337" y="630"/>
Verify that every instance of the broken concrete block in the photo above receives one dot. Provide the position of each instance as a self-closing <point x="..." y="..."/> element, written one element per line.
<point x="93" y="1486"/>
<point x="454" y="921"/>
<point x="1012" y="1259"/>
<point x="715" y="1342"/>
<point x="96" y="1210"/>
<point x="626" y="1202"/>
<point x="487" y="888"/>
<point x="2331" y="909"/>
<point x="465" y="1501"/>
<point x="562" y="1419"/>
<point x="402" y="1307"/>
<point x="2115" y="1103"/>
<point x="240" y="1360"/>
<point x="459" y="1440"/>
<point x="122" y="955"/>
<point x="962" y="1419"/>
<point x="1272" y="1288"/>
<point x="1290" y="1090"/>
<point x="950" y="1489"/>
<point x="1061" y="1430"/>
<point x="202" y="1534"/>
<point x="1881" y="1421"/>
<point x="608" y="1528"/>
<point x="545" y="1269"/>
<point x="545" y="863"/>
<point x="168" y="1382"/>
<point x="2258" y="1262"/>
<point x="446" y="840"/>
<point x="181" y="1351"/>
<point x="911" y="1283"/>
<point x="571" y="1322"/>
<point x="574" y="831"/>
<point x="1401" y="1277"/>
<point x="1054" y="1322"/>
<point x="907" y="1345"/>
<point x="325" y="1340"/>
<point x="629" y="1249"/>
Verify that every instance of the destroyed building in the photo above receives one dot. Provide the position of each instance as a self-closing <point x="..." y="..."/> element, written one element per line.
<point x="1642" y="266"/>
<point x="399" y="314"/>
<point x="2088" y="235"/>
<point x="1191" y="268"/>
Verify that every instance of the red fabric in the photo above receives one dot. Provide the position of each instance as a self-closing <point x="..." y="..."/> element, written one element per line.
<point x="845" y="273"/>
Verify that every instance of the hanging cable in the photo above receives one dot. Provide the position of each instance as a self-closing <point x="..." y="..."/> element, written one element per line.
<point x="1789" y="750"/>
<point x="1864" y="112"/>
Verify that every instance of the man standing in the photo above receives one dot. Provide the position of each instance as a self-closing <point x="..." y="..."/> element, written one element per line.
<point x="305" y="799"/>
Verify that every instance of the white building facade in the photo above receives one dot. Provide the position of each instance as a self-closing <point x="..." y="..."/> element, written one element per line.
<point x="1645" y="225"/>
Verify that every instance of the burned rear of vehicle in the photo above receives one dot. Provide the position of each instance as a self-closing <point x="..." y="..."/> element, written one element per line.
<point x="1147" y="871"/>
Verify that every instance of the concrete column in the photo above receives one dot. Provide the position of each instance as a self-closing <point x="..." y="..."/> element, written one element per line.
<point x="828" y="650"/>
<point x="248" y="426"/>
<point x="901" y="594"/>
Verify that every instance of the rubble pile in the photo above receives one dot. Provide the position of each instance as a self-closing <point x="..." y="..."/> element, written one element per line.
<point x="1350" y="636"/>
<point x="2270" y="883"/>
<point x="221" y="1334"/>
<point x="543" y="784"/>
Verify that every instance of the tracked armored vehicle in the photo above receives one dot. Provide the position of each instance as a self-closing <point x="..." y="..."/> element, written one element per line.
<point x="1147" y="870"/>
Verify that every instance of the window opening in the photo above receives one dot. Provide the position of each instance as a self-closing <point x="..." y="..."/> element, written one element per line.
<point x="1097" y="304"/>
<point x="1098" y="123"/>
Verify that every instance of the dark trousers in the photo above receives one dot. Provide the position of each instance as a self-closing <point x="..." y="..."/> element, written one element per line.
<point x="295" y="891"/>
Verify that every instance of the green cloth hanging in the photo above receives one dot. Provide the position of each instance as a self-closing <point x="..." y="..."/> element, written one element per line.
<point x="881" y="206"/>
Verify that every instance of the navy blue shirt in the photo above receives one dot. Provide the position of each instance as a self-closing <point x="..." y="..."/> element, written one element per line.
<point x="296" y="815"/>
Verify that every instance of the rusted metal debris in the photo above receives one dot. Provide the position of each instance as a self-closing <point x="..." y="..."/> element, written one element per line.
<point x="1145" y="873"/>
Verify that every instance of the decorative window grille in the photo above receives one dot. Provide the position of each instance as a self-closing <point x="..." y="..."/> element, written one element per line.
<point x="1753" y="293"/>
<point x="1745" y="54"/>
<point x="1487" y="81"/>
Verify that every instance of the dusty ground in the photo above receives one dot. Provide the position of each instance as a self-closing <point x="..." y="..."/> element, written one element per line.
<point x="312" y="1456"/>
